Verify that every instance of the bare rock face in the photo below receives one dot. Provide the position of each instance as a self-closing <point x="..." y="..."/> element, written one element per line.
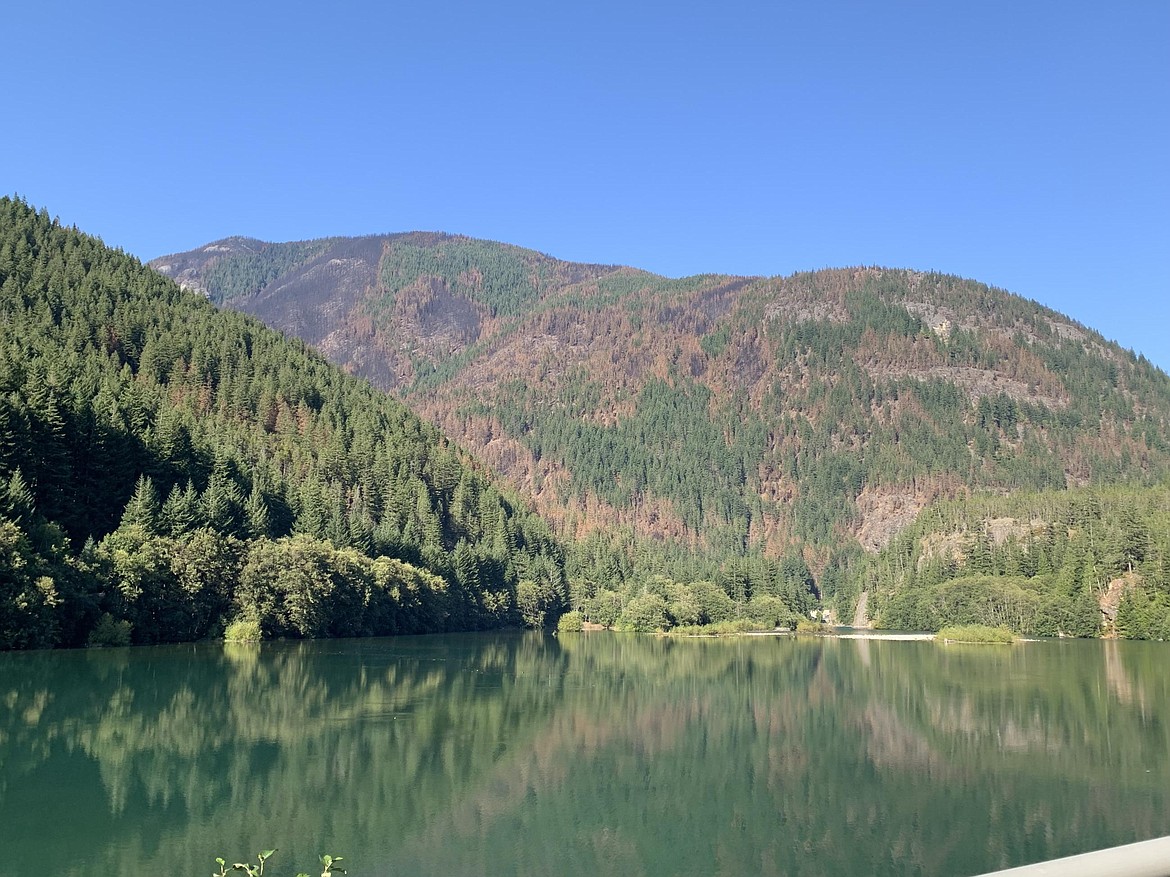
<point x="1110" y="598"/>
<point x="884" y="513"/>
<point x="189" y="269"/>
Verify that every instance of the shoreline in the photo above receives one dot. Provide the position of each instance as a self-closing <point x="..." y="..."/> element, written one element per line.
<point x="849" y="633"/>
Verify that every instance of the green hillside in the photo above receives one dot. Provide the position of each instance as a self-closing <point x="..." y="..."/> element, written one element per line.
<point x="1074" y="563"/>
<point x="166" y="468"/>
<point x="715" y="427"/>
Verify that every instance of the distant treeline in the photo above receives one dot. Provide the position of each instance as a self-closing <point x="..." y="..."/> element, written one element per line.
<point x="1078" y="563"/>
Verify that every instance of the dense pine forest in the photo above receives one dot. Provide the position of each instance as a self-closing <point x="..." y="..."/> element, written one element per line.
<point x="1069" y="563"/>
<point x="168" y="469"/>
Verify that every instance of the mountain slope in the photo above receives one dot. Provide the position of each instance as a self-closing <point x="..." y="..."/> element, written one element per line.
<point x="717" y="415"/>
<point x="1054" y="563"/>
<point x="173" y="467"/>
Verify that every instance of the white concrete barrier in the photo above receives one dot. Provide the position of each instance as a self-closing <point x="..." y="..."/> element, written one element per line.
<point x="1150" y="858"/>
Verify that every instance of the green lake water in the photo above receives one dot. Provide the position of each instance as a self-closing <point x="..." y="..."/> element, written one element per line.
<point x="587" y="754"/>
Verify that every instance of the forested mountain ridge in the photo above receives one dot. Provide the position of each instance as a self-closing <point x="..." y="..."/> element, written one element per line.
<point x="167" y="468"/>
<point x="715" y="416"/>
<point x="450" y="292"/>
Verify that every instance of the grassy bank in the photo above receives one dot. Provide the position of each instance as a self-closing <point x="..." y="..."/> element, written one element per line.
<point x="975" y="633"/>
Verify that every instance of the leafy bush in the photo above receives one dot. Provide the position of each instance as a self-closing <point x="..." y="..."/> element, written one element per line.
<point x="538" y="602"/>
<point x="682" y="606"/>
<point x="109" y="631"/>
<point x="722" y="628"/>
<point x="714" y="603"/>
<point x="807" y="625"/>
<point x="243" y="630"/>
<point x="604" y="608"/>
<point x="645" y="614"/>
<point x="770" y="611"/>
<point x="570" y="622"/>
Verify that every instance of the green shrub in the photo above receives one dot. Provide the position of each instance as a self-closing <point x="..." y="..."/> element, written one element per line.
<point x="770" y="611"/>
<point x="570" y="622"/>
<point x="807" y="625"/>
<point x="604" y="608"/>
<point x="723" y="628"/>
<point x="714" y="603"/>
<point x="645" y="614"/>
<point x="682" y="606"/>
<point x="975" y="633"/>
<point x="538" y="602"/>
<point x="243" y="630"/>
<point x="109" y="631"/>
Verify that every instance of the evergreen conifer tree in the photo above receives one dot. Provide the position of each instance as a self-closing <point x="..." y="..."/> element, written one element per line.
<point x="17" y="503"/>
<point x="143" y="509"/>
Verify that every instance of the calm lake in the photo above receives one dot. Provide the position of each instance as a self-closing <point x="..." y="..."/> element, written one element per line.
<point x="522" y="754"/>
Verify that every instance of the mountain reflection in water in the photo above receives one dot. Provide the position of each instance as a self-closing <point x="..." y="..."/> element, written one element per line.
<point x="582" y="754"/>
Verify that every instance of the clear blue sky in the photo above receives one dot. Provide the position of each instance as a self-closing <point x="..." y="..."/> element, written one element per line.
<point x="1024" y="144"/>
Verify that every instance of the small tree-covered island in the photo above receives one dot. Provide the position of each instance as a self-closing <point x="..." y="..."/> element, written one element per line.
<point x="628" y="451"/>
